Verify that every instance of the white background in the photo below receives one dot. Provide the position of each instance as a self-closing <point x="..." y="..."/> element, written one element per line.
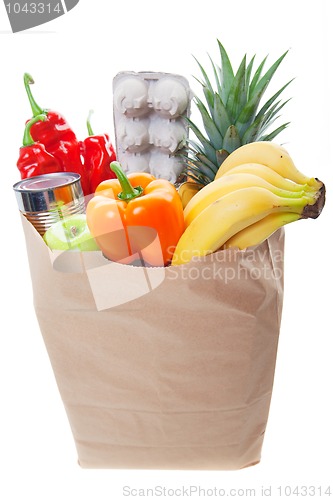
<point x="73" y="60"/>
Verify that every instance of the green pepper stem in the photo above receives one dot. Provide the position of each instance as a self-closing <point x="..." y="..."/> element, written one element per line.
<point x="28" y="80"/>
<point x="128" y="192"/>
<point x="90" y="131"/>
<point x="27" y="139"/>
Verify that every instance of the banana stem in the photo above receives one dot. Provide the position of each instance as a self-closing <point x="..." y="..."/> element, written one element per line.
<point x="312" y="211"/>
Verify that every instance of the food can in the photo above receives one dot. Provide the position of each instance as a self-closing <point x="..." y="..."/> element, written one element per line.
<point x="48" y="198"/>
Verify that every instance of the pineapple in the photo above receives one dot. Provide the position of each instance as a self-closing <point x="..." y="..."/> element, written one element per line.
<point x="230" y="116"/>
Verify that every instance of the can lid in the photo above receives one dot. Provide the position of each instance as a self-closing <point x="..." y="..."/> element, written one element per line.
<point x="46" y="182"/>
<point x="43" y="192"/>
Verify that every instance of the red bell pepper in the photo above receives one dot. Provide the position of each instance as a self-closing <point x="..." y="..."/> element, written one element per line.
<point x="34" y="159"/>
<point x="98" y="153"/>
<point x="57" y="137"/>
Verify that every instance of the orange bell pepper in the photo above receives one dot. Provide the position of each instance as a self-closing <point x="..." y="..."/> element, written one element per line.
<point x="136" y="217"/>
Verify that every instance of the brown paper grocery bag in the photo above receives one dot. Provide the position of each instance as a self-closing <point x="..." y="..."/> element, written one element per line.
<point x="162" y="368"/>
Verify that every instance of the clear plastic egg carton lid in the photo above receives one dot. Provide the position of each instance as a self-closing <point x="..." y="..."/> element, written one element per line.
<point x="149" y="110"/>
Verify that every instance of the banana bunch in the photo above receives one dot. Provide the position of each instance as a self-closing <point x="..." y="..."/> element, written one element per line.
<point x="257" y="190"/>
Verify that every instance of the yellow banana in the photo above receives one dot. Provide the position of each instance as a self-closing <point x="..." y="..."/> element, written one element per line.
<point x="187" y="190"/>
<point x="224" y="185"/>
<point x="268" y="174"/>
<point x="259" y="231"/>
<point x="270" y="154"/>
<point x="230" y="214"/>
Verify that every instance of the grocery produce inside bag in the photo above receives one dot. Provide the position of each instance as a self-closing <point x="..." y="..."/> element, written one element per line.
<point x="168" y="188"/>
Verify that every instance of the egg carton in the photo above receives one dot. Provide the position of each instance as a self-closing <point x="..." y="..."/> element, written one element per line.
<point x="149" y="110"/>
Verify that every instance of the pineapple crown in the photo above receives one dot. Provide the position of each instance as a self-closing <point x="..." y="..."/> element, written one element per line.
<point x="231" y="116"/>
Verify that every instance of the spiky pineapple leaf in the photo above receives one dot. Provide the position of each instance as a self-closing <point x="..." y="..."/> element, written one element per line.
<point x="197" y="163"/>
<point x="227" y="74"/>
<point x="256" y="128"/>
<point x="195" y="173"/>
<point x="262" y="122"/>
<point x="248" y="113"/>
<point x="270" y="101"/>
<point x="237" y="95"/>
<point x="271" y="117"/>
<point x="271" y="114"/>
<point x="252" y="133"/>
<point x="208" y="149"/>
<point x="231" y="139"/>
<point x="272" y="135"/>
<point x="199" y="179"/>
<point x="209" y="99"/>
<point x="268" y="118"/>
<point x="195" y="147"/>
<point x="209" y="125"/>
<point x="204" y="74"/>
<point x="220" y="115"/>
<point x="264" y="81"/>
<point x="257" y="76"/>
<point x="207" y="162"/>
<point x="248" y="76"/>
<point x="216" y="71"/>
<point x="203" y="169"/>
